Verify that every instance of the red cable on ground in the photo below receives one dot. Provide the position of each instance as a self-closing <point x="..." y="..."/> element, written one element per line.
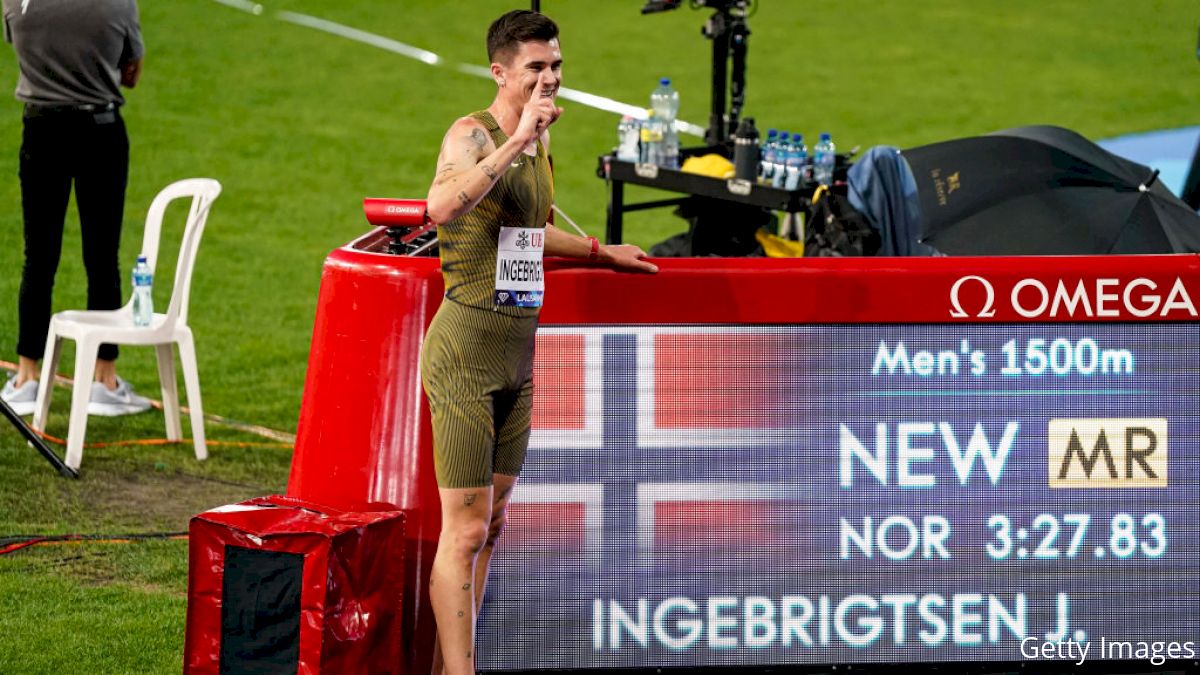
<point x="88" y="538"/>
<point x="20" y="545"/>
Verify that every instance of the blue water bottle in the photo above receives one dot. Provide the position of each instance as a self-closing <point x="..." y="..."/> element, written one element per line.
<point x="779" y="168"/>
<point x="796" y="160"/>
<point x="824" y="157"/>
<point x="767" y="161"/>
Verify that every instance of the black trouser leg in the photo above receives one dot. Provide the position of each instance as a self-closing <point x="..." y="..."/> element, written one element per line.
<point x="45" y="188"/>
<point x="100" y="195"/>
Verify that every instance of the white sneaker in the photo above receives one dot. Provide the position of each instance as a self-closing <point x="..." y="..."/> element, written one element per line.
<point x="22" y="399"/>
<point x="123" y="400"/>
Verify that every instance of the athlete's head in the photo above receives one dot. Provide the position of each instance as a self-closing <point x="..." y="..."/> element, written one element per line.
<point x="521" y="45"/>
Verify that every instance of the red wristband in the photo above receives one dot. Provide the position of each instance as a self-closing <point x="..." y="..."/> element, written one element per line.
<point x="595" y="252"/>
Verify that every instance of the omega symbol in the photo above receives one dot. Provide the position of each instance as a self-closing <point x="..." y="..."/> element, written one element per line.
<point x="986" y="311"/>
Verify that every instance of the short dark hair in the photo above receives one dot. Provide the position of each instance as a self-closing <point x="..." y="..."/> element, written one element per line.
<point x="520" y="25"/>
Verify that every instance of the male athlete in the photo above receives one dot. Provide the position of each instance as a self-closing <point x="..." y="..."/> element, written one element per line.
<point x="491" y="199"/>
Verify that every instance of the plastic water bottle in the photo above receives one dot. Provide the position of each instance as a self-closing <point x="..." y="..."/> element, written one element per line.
<point x="767" y="160"/>
<point x="805" y="159"/>
<point x="779" y="169"/>
<point x="143" y="302"/>
<point x="665" y="102"/>
<point x="670" y="146"/>
<point x="628" y="132"/>
<point x="652" y="139"/>
<point x="797" y="158"/>
<point x="824" y="157"/>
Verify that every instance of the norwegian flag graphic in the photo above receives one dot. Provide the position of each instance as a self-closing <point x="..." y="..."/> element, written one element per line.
<point x="711" y="390"/>
<point x="674" y="470"/>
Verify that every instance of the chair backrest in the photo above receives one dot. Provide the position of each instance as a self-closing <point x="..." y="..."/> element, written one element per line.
<point x="202" y="192"/>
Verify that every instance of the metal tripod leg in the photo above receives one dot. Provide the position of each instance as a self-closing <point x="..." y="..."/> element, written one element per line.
<point x="36" y="441"/>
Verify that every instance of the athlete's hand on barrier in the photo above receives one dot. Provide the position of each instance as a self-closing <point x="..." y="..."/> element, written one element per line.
<point x="627" y="257"/>
<point x="539" y="113"/>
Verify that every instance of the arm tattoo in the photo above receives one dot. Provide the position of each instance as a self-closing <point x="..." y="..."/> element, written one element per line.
<point x="443" y="173"/>
<point x="469" y="499"/>
<point x="478" y="139"/>
<point x="463" y="198"/>
<point x="488" y="171"/>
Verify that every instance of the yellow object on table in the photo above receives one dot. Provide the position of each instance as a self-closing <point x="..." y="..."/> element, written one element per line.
<point x="711" y="164"/>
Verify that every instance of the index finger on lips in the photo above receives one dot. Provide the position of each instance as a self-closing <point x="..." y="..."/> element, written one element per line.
<point x="541" y="85"/>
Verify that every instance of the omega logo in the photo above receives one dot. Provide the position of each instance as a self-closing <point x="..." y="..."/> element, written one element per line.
<point x="1103" y="298"/>
<point x="986" y="311"/>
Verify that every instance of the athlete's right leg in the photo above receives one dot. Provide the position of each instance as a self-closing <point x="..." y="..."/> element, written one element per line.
<point x="466" y="516"/>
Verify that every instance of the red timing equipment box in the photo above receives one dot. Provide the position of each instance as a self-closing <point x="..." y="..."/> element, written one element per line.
<point x="282" y="585"/>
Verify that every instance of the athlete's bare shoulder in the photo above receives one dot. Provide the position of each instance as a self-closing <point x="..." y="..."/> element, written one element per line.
<point x="466" y="139"/>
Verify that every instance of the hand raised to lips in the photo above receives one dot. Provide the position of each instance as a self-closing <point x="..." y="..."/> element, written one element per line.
<point x="538" y="114"/>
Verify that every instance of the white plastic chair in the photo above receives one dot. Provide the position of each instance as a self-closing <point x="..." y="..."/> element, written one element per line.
<point x="92" y="328"/>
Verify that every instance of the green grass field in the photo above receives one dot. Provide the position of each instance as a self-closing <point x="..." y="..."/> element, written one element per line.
<point x="299" y="125"/>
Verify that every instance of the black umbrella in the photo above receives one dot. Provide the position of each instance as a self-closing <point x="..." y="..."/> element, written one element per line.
<point x="1045" y="190"/>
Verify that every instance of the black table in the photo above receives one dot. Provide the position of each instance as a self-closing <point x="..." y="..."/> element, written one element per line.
<point x="617" y="173"/>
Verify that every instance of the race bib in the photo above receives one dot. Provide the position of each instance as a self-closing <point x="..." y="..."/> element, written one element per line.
<point x="520" y="280"/>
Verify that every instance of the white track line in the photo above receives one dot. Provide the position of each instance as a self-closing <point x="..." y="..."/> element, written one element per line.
<point x="428" y="57"/>
<point x="363" y="37"/>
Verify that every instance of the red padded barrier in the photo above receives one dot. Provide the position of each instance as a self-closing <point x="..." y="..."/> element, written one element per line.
<point x="349" y="597"/>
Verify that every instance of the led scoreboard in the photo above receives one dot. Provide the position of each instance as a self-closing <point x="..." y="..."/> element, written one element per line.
<point x="827" y="462"/>
<point x="831" y="494"/>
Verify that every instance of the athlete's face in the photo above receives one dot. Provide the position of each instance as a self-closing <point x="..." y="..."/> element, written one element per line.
<point x="520" y="76"/>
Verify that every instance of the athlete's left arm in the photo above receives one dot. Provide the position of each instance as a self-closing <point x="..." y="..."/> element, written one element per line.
<point x="559" y="243"/>
<point x="620" y="256"/>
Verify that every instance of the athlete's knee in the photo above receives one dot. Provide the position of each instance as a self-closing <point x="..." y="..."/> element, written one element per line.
<point x="466" y="536"/>
<point x="499" y="521"/>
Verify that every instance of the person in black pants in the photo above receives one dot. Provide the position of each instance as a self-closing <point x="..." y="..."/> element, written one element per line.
<point x="74" y="56"/>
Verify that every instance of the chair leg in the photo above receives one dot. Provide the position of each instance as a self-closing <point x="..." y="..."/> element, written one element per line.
<point x="85" y="371"/>
<point x="46" y="385"/>
<point x="191" y="381"/>
<point x="170" y="390"/>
